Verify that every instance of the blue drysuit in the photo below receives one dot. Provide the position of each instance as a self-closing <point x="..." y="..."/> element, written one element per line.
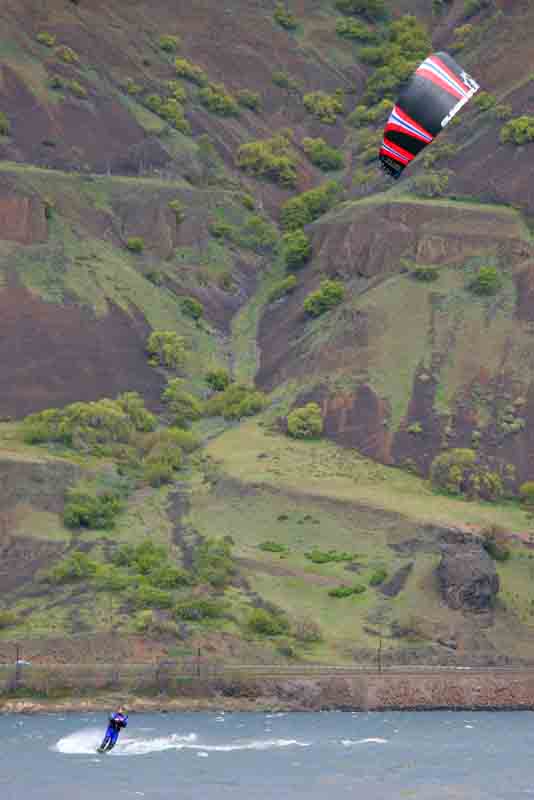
<point x="116" y="722"/>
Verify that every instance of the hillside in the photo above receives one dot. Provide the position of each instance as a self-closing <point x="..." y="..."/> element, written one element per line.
<point x="148" y="153"/>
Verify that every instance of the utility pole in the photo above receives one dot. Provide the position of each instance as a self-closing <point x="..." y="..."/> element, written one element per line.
<point x="379" y="655"/>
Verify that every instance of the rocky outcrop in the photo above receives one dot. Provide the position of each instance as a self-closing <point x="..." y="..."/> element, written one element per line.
<point x="467" y="575"/>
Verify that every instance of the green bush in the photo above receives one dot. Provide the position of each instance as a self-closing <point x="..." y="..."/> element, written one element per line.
<point x="213" y="562"/>
<point x="431" y="184"/>
<point x="425" y="273"/>
<point x="526" y="493"/>
<point x="67" y="55"/>
<point x="177" y="91"/>
<point x="248" y="99"/>
<point x="167" y="348"/>
<point x="150" y="596"/>
<point x="184" y="406"/>
<point x="267" y="623"/>
<point x="363" y="115"/>
<point x="326" y="107"/>
<point x="458" y="472"/>
<point x="462" y="35"/>
<point x="133" y="405"/>
<point x="329" y="556"/>
<point x="494" y="544"/>
<point x="185" y="69"/>
<point x="169" y="109"/>
<point x="329" y="294"/>
<point x="8" y="619"/>
<point x="199" y="609"/>
<point x="273" y="547"/>
<point x="235" y="402"/>
<point x="307" y="207"/>
<point x="192" y="308"/>
<point x="169" y="577"/>
<point x="439" y="151"/>
<point x="284" y="80"/>
<point x="158" y="473"/>
<point x="270" y="158"/>
<point x="296" y="249"/>
<point x="248" y="202"/>
<point x="77" y="567"/>
<point x="322" y="155"/>
<point x="132" y="88"/>
<point x="216" y="98"/>
<point x="487" y="281"/>
<point x="372" y="9"/>
<point x="218" y="379"/>
<point x="256" y="234"/>
<point x="77" y="89"/>
<point x="378" y="577"/>
<point x="305" y="422"/>
<point x="178" y="208"/>
<point x="518" y="131"/>
<point x="485" y="101"/>
<point x="48" y="39"/>
<point x="341" y="592"/>
<point x="355" y="29"/>
<point x="84" y="509"/>
<point x="169" y="44"/>
<point x="5" y="125"/>
<point x="284" y="17"/>
<point x="283" y="288"/>
<point x="135" y="244"/>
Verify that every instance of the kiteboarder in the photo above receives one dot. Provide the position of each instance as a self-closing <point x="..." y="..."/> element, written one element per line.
<point x="117" y="721"/>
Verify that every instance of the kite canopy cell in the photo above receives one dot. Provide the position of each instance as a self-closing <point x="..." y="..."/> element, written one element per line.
<point x="433" y="95"/>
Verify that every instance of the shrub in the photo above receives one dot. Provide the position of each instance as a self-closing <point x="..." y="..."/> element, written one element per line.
<point x="56" y="82"/>
<point x="184" y="407"/>
<point x="192" y="308"/>
<point x="494" y="543"/>
<point x="462" y="34"/>
<point x="146" y="595"/>
<point x="526" y="493"/>
<point x="135" y="244"/>
<point x="326" y="107"/>
<point x="518" y="131"/>
<point x="67" y="55"/>
<point x="167" y="576"/>
<point x="134" y="407"/>
<point x="256" y="234"/>
<point x="86" y="510"/>
<point x="178" y="208"/>
<point x="458" y="472"/>
<point x="503" y="111"/>
<point x="307" y="631"/>
<point x="269" y="158"/>
<point x="296" y="249"/>
<point x="199" y="609"/>
<point x="307" y="207"/>
<point x="284" y="17"/>
<point x="363" y="115"/>
<point x="472" y="7"/>
<point x="167" y="348"/>
<point x="77" y="89"/>
<point x="5" y="125"/>
<point x="248" y="202"/>
<point x="355" y="29"/>
<point x="133" y="88"/>
<point x="329" y="556"/>
<point x="185" y="69"/>
<point x="378" y="577"/>
<point x="487" y="282"/>
<point x="485" y="101"/>
<point x="79" y="566"/>
<point x="267" y="623"/>
<point x="169" y="44"/>
<point x="216" y="99"/>
<point x="171" y="111"/>
<point x="177" y="91"/>
<point x="373" y="9"/>
<point x="235" y="402"/>
<point x="48" y="39"/>
<point x="431" y="184"/>
<point x="329" y="294"/>
<point x="322" y="155"/>
<point x="248" y="99"/>
<point x="283" y="288"/>
<point x="425" y="273"/>
<point x="158" y="473"/>
<point x="213" y="562"/>
<point x="8" y="619"/>
<point x="439" y="151"/>
<point x="273" y="547"/>
<point x="305" y="422"/>
<point x="284" y="80"/>
<point x="341" y="592"/>
<point x="218" y="379"/>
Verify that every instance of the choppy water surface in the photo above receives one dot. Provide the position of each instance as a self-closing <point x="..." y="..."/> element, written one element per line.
<point x="376" y="756"/>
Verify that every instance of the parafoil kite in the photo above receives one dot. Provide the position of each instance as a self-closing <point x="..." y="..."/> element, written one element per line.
<point x="433" y="95"/>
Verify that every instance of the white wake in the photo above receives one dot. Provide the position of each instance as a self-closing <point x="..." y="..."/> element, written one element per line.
<point x="86" y="742"/>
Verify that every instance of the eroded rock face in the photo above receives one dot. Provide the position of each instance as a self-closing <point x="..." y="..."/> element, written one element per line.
<point x="467" y="576"/>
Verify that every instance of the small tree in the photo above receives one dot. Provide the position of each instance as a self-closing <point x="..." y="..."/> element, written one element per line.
<point x="526" y="493"/>
<point x="296" y="249"/>
<point x="183" y="405"/>
<point x="218" y="379"/>
<point x="322" y="154"/>
<point x="329" y="294"/>
<point x="305" y="422"/>
<point x="192" y="308"/>
<point x="487" y="281"/>
<point x="135" y="244"/>
<point x="518" y="131"/>
<point x="167" y="349"/>
<point x="169" y="43"/>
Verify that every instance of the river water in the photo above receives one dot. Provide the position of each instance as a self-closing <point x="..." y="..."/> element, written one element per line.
<point x="326" y="756"/>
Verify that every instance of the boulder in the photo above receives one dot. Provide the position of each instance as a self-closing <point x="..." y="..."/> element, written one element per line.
<point x="467" y="575"/>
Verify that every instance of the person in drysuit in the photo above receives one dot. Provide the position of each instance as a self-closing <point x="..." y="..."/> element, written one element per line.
<point x="117" y="721"/>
